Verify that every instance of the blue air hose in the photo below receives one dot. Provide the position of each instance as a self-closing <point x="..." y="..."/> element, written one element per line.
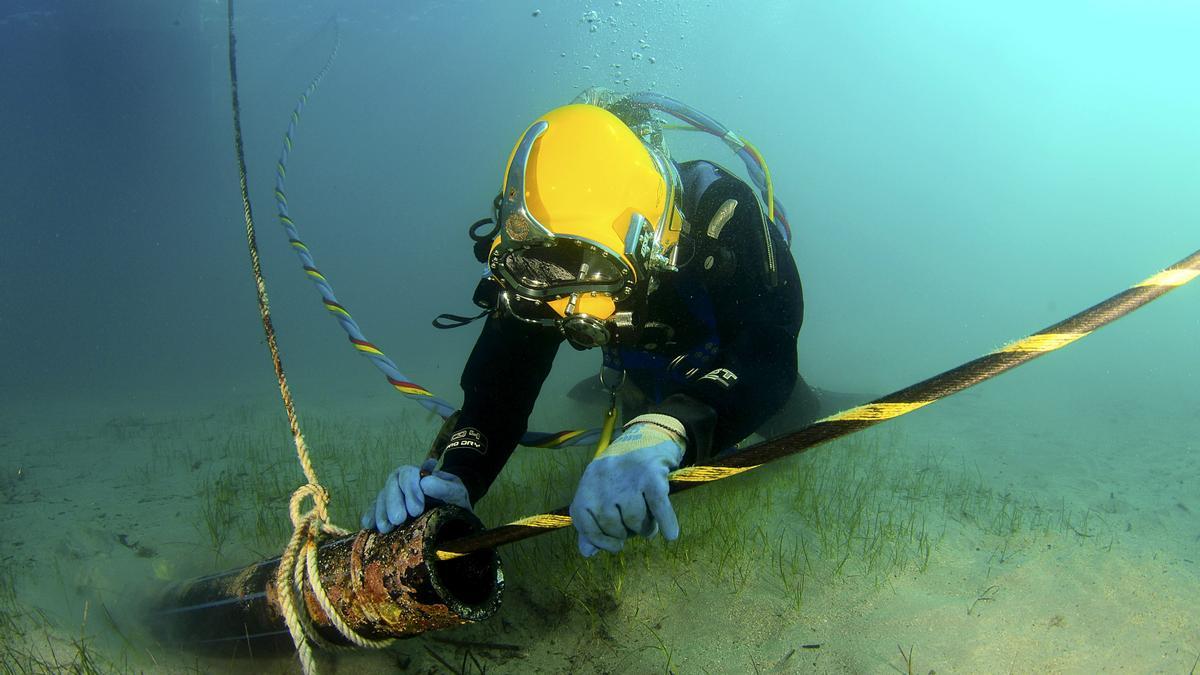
<point x="401" y="382"/>
<point x="755" y="164"/>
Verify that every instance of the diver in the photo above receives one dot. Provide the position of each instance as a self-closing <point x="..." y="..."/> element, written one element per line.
<point x="674" y="270"/>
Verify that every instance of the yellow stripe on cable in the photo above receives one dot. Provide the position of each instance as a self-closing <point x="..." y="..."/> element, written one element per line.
<point x="1170" y="278"/>
<point x="1042" y="342"/>
<point x="546" y="521"/>
<point x="876" y="411"/>
<point x="704" y="474"/>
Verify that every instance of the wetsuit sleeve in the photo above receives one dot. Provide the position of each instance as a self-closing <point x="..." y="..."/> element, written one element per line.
<point x="500" y="383"/>
<point x="759" y="308"/>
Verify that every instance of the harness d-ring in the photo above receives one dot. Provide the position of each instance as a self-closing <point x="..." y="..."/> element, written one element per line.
<point x="610" y="417"/>
<point x="611" y="389"/>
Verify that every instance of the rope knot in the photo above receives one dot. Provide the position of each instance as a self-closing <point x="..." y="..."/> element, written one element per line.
<point x="318" y="514"/>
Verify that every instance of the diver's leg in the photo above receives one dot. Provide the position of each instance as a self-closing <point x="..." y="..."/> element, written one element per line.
<point x="802" y="408"/>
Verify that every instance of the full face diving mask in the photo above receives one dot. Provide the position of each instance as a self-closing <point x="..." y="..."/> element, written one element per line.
<point x="587" y="216"/>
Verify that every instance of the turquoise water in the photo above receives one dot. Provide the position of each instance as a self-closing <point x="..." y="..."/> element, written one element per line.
<point x="958" y="175"/>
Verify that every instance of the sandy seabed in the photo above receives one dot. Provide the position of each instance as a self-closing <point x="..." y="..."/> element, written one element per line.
<point x="1038" y="540"/>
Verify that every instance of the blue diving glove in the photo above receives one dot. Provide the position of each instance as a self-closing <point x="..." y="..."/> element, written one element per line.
<point x="403" y="496"/>
<point x="623" y="491"/>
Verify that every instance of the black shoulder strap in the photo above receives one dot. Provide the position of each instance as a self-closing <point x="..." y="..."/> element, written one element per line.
<point x="447" y="321"/>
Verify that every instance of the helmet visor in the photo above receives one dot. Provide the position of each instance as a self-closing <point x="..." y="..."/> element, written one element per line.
<point x="568" y="266"/>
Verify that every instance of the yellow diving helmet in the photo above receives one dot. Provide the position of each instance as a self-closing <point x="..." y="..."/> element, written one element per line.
<point x="587" y="215"/>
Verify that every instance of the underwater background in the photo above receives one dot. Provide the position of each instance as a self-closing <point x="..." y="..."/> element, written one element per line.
<point x="957" y="176"/>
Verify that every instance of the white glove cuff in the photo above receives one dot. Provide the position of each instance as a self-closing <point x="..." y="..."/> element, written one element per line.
<point x="669" y="424"/>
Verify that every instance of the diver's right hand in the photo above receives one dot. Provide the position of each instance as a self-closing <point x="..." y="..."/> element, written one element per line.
<point x="403" y="496"/>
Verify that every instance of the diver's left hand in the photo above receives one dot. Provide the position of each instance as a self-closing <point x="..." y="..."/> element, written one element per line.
<point x="624" y="490"/>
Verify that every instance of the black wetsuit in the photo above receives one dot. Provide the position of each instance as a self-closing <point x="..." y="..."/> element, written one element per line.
<point x="718" y="350"/>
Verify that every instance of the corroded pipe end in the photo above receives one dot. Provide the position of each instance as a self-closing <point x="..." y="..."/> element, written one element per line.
<point x="393" y="585"/>
<point x="471" y="585"/>
<point x="383" y="585"/>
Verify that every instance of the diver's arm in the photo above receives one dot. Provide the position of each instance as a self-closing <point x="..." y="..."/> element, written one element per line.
<point x="500" y="382"/>
<point x="748" y="385"/>
<point x="759" y="309"/>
